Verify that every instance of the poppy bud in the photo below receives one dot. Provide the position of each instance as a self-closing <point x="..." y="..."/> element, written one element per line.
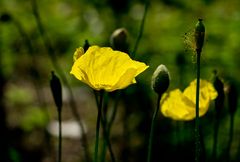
<point x="78" y="53"/>
<point x="56" y="89"/>
<point x="118" y="40"/>
<point x="199" y="35"/>
<point x="232" y="96"/>
<point x="86" y="45"/>
<point x="160" y="79"/>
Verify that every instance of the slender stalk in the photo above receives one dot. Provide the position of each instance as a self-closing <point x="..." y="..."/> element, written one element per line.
<point x="104" y="151"/>
<point x="106" y="133"/>
<point x="141" y="28"/>
<point x="230" y="137"/>
<point x="4" y="140"/>
<point x="113" y="115"/>
<point x="52" y="55"/>
<point x="60" y="136"/>
<point x="99" y="105"/>
<point x="109" y="125"/>
<point x="197" y="121"/>
<point x="152" y="129"/>
<point x="215" y="138"/>
<point x="107" y="142"/>
<point x="32" y="67"/>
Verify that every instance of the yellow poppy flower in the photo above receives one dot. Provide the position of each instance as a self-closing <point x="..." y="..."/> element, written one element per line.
<point x="104" y="68"/>
<point x="182" y="105"/>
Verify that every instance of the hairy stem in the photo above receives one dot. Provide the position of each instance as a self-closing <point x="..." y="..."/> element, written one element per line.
<point x="197" y="121"/>
<point x="152" y="129"/>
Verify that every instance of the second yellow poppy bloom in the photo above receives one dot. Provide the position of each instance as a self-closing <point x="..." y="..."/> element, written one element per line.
<point x="182" y="105"/>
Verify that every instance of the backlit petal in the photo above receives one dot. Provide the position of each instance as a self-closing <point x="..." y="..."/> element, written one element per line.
<point x="103" y="68"/>
<point x="176" y="106"/>
<point x="206" y="94"/>
<point x="182" y="106"/>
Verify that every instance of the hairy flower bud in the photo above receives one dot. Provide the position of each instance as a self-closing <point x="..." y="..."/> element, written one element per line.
<point x="199" y="35"/>
<point x="160" y="79"/>
<point x="118" y="40"/>
<point x="56" y="89"/>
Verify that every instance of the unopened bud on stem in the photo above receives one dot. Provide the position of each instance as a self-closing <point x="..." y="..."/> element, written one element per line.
<point x="118" y="40"/>
<point x="56" y="89"/>
<point x="199" y="35"/>
<point x="160" y="79"/>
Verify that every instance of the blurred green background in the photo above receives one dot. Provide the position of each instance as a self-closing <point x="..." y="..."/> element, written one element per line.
<point x="26" y="61"/>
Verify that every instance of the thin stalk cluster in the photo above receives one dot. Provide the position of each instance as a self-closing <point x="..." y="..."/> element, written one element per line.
<point x="102" y="121"/>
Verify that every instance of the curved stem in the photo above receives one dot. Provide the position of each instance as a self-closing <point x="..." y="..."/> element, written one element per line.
<point x="152" y="129"/>
<point x="115" y="107"/>
<point x="197" y="122"/>
<point x="52" y="55"/>
<point x="106" y="135"/>
<point x="108" y="126"/>
<point x="105" y="127"/>
<point x="60" y="136"/>
<point x="141" y="28"/>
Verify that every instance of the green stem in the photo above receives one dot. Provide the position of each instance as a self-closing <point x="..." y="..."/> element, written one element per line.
<point x="215" y="137"/>
<point x="109" y="126"/>
<point x="230" y="137"/>
<point x="106" y="135"/>
<point x="52" y="55"/>
<point x="152" y="129"/>
<point x="113" y="115"/>
<point x="107" y="138"/>
<point x="197" y="121"/>
<point x="141" y="28"/>
<point x="99" y="105"/>
<point x="106" y="132"/>
<point x="60" y="136"/>
<point x="104" y="151"/>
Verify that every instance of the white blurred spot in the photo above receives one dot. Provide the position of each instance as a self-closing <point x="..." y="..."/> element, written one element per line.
<point x="70" y="129"/>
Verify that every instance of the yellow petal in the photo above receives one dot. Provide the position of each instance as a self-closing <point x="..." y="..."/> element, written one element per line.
<point x="176" y="106"/>
<point x="206" y="94"/>
<point x="182" y="106"/>
<point x="103" y="68"/>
